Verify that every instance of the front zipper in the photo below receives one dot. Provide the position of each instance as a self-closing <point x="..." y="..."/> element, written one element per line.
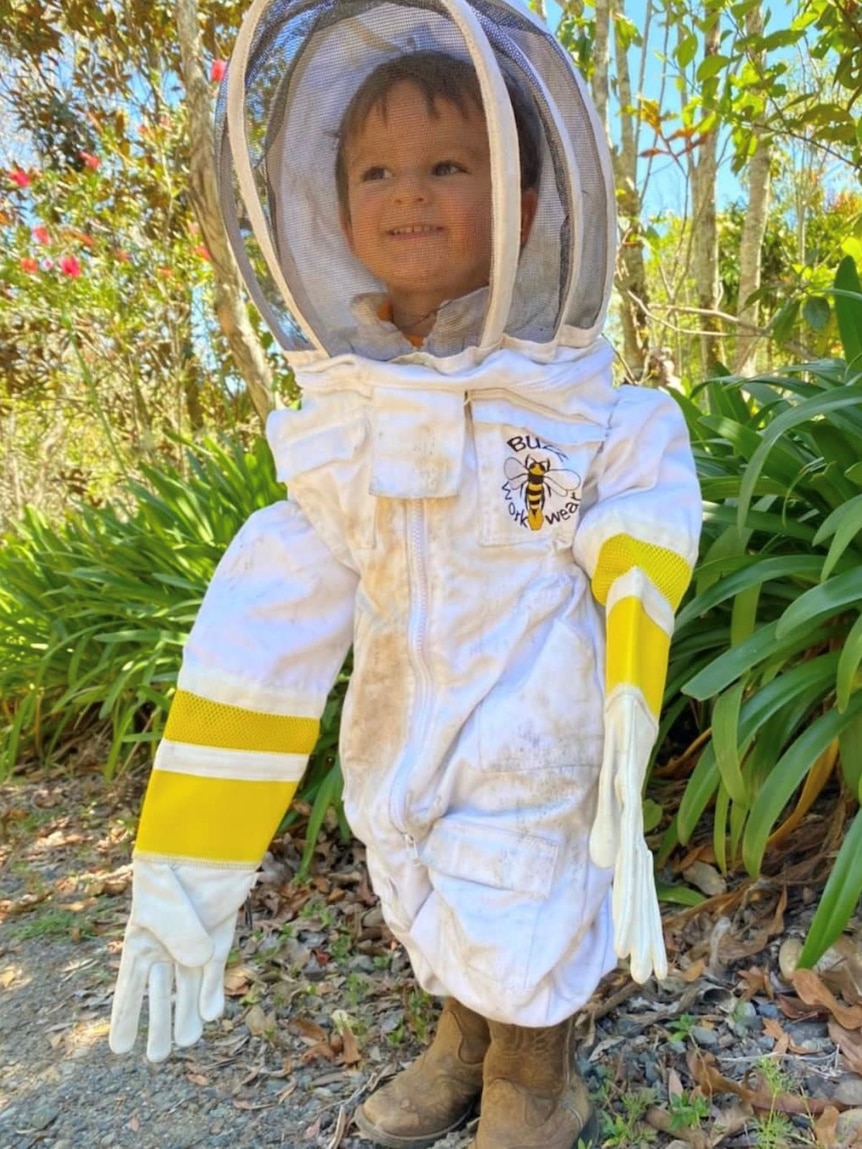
<point x="417" y="634"/>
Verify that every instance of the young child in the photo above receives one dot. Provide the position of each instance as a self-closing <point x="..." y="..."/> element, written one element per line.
<point x="500" y="534"/>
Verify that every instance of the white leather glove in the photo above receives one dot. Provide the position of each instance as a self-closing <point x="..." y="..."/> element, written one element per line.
<point x="617" y="836"/>
<point x="179" y="934"/>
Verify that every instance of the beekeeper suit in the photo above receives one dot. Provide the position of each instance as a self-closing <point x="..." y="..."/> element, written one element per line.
<point x="500" y="534"/>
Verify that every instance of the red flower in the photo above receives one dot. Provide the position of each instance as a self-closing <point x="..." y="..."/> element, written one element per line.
<point x="217" y="70"/>
<point x="31" y="266"/>
<point x="19" y="177"/>
<point x="70" y="266"/>
<point x="90" y="160"/>
<point x="202" y="252"/>
<point x="40" y="234"/>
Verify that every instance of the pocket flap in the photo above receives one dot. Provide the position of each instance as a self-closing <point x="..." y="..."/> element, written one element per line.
<point x="492" y="856"/>
<point x="301" y="441"/>
<point x="578" y="431"/>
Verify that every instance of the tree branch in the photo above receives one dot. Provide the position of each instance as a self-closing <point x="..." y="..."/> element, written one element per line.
<point x="230" y="305"/>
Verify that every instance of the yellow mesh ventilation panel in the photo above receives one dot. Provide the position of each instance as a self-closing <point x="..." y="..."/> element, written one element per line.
<point x="666" y="569"/>
<point x="200" y="722"/>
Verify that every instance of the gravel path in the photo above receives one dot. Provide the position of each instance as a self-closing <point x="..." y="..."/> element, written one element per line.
<point x="322" y="1005"/>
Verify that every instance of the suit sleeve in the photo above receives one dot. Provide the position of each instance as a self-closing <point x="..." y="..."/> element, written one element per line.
<point x="638" y="539"/>
<point x="271" y="635"/>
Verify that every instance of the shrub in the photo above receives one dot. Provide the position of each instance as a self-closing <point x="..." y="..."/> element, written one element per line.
<point x="94" y="611"/>
<point x="770" y="644"/>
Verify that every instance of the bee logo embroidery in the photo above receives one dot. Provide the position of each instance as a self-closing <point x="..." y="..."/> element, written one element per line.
<point x="536" y="480"/>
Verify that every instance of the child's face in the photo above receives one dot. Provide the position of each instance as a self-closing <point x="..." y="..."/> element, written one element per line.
<point x="419" y="193"/>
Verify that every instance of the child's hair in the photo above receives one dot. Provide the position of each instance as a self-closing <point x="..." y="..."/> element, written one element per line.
<point x="438" y="76"/>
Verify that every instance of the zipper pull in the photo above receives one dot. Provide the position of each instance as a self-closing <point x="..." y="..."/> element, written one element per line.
<point x="413" y="849"/>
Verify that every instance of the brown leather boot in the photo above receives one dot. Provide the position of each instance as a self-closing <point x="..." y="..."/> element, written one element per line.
<point x="532" y="1096"/>
<point x="437" y="1092"/>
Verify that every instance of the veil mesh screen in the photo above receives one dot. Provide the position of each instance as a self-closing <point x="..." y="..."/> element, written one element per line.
<point x="306" y="61"/>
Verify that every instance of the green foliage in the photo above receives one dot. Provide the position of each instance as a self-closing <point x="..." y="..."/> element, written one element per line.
<point x="108" y="341"/>
<point x="770" y="644"/>
<point x="94" y="611"/>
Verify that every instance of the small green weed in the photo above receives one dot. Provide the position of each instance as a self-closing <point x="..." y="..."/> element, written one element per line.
<point x="687" y="1111"/>
<point x="774" y="1129"/>
<point x="356" y="989"/>
<point x="53" y="923"/>
<point x="419" y="1014"/>
<point x="626" y="1129"/>
<point x="679" y="1028"/>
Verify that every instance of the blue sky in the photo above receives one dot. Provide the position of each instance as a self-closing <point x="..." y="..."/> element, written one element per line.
<point x="666" y="187"/>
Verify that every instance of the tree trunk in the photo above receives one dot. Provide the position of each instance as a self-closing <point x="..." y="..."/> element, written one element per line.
<point x="754" y="224"/>
<point x="230" y="305"/>
<point x="631" y="271"/>
<point x="705" y="234"/>
<point x="601" y="50"/>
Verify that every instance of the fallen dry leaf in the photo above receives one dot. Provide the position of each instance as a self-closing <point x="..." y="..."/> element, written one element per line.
<point x="674" y="1085"/>
<point x="812" y="991"/>
<point x="256" y="1021"/>
<point x="321" y="1049"/>
<point x="8" y="976"/>
<point x="694" y="971"/>
<point x="849" y="1043"/>
<point x="825" y="1128"/>
<point x="309" y="1031"/>
<point x="350" y="1054"/>
<point x="757" y="980"/>
<point x="707" y="1075"/>
<point x="841" y="969"/>
<point x="774" y="1029"/>
<point x="776" y="926"/>
<point x="238" y="980"/>
<point x="797" y="1010"/>
<point x="662" y="1120"/>
<point x="730" y="1121"/>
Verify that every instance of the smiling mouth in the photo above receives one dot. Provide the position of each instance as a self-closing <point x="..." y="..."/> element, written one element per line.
<point x="415" y="229"/>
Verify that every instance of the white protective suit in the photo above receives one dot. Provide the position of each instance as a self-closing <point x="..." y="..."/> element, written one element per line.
<point x="476" y="517"/>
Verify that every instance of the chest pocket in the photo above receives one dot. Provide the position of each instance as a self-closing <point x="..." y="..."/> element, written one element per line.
<point x="532" y="469"/>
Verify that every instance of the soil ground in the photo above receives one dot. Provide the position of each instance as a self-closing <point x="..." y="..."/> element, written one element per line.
<point x="322" y="1006"/>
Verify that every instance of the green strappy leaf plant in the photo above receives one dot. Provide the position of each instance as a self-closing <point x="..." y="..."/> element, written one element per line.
<point x="94" y="611"/>
<point x="769" y="646"/>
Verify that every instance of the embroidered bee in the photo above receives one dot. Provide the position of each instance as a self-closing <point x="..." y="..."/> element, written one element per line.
<point x="536" y="477"/>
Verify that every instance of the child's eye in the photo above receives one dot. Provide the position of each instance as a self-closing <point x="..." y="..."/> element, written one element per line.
<point x="375" y="173"/>
<point x="448" y="168"/>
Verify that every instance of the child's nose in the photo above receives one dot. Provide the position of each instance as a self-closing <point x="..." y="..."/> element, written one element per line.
<point x="411" y="188"/>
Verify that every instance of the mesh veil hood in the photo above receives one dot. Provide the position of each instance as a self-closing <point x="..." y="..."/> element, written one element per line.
<point x="294" y="70"/>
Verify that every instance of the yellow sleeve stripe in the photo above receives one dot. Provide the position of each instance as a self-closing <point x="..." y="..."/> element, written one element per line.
<point x="201" y="722"/>
<point x="637" y="652"/>
<point x="211" y="819"/>
<point x="666" y="569"/>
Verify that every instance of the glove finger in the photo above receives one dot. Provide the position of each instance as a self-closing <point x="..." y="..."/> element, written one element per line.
<point x="658" y="953"/>
<point x="603" y="835"/>
<point x="159" y="1031"/>
<point x="641" y="941"/>
<point x="212" y="987"/>
<point x="188" y="1024"/>
<point x="128" y="998"/>
<point x="211" y="1001"/>
<point x="650" y="956"/>
<point x="623" y="900"/>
